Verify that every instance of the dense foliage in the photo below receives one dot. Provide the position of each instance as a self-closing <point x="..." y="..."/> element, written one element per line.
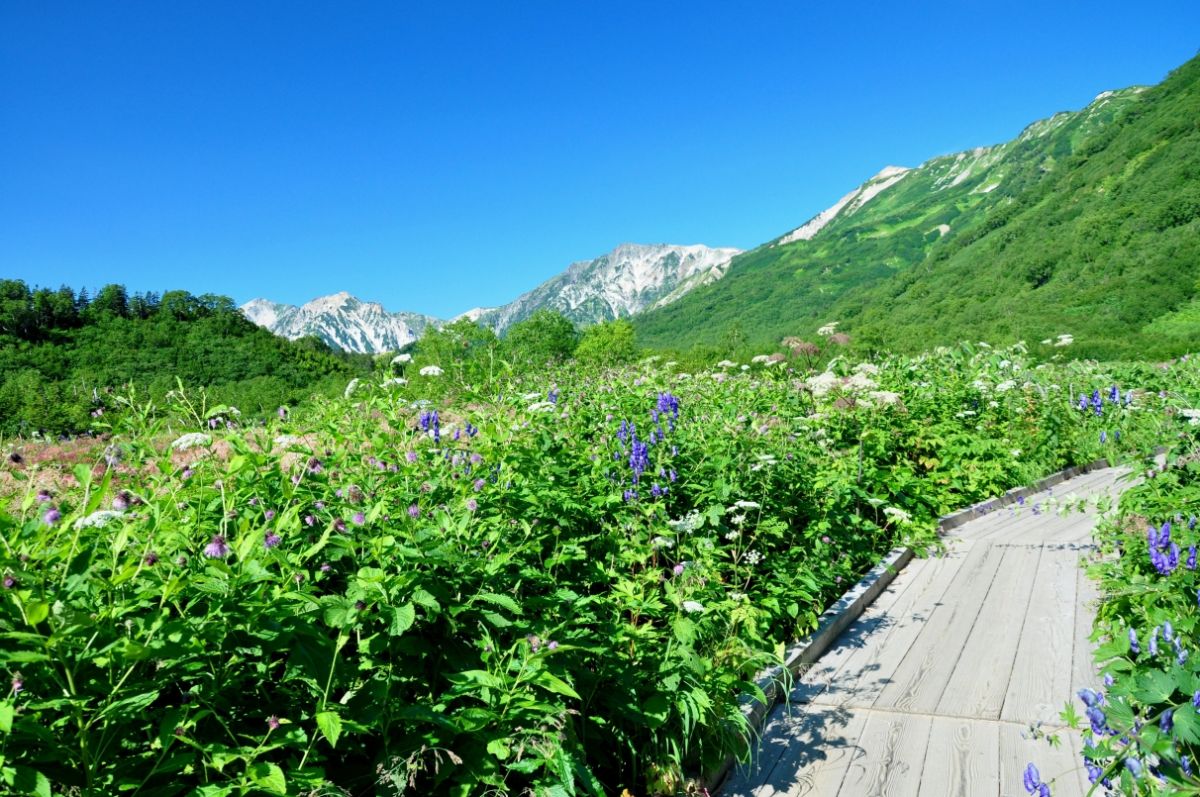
<point x="63" y="354"/>
<point x="1088" y="223"/>
<point x="556" y="583"/>
<point x="1142" y="729"/>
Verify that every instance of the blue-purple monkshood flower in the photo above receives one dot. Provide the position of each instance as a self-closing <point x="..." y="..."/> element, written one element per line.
<point x="52" y="516"/>
<point x="1096" y="717"/>
<point x="1153" y="646"/>
<point x="471" y="430"/>
<point x="629" y="495"/>
<point x="271" y="540"/>
<point x="1191" y="560"/>
<point x="1167" y="721"/>
<point x="552" y="396"/>
<point x="1168" y="630"/>
<point x="1114" y="394"/>
<point x="1033" y="782"/>
<point x="624" y="432"/>
<point x="1103" y="437"/>
<point x="656" y="491"/>
<point x="1196" y="699"/>
<point x="1185" y="763"/>
<point x="1093" y="772"/>
<point x="1135" y="767"/>
<point x="1090" y="697"/>
<point x="1083" y="403"/>
<point x="1109" y="680"/>
<point x="217" y="547"/>
<point x="1134" y="648"/>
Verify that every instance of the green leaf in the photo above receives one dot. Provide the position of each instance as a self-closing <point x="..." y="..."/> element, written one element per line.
<point x="551" y="682"/>
<point x="503" y="601"/>
<point x="30" y="781"/>
<point x="269" y="777"/>
<point x="6" y="716"/>
<point x="36" y="612"/>
<point x="1187" y="725"/>
<point x="402" y="619"/>
<point x="656" y="709"/>
<point x="330" y="725"/>
<point x="1154" y="687"/>
<point x="498" y="748"/>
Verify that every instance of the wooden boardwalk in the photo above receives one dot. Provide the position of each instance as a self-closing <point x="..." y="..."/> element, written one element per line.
<point x="934" y="690"/>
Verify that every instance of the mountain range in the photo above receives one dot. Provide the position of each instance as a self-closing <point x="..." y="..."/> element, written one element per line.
<point x="626" y="281"/>
<point x="1086" y="223"/>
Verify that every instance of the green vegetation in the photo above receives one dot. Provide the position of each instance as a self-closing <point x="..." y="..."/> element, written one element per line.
<point x="1087" y="224"/>
<point x="1142" y="729"/>
<point x="552" y="582"/>
<point x="62" y="356"/>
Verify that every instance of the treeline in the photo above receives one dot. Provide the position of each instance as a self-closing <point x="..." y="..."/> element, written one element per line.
<point x="66" y="357"/>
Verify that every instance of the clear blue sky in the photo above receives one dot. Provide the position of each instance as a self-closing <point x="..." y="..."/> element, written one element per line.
<point x="439" y="158"/>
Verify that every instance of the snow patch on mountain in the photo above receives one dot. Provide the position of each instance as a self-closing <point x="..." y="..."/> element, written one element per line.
<point x="887" y="177"/>
<point x="342" y="321"/>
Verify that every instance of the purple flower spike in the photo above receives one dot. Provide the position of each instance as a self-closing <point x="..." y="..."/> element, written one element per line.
<point x="271" y="540"/>
<point x="1032" y="778"/>
<point x="1134" y="648"/>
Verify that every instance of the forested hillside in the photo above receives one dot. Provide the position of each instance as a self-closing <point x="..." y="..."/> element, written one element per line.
<point x="1088" y="223"/>
<point x="65" y="357"/>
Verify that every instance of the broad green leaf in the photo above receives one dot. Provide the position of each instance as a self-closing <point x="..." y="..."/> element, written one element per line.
<point x="6" y="716"/>
<point x="498" y="748"/>
<point x="330" y="725"/>
<point x="551" y="682"/>
<point x="36" y="612"/>
<point x="402" y="619"/>
<point x="30" y="782"/>
<point x="268" y="776"/>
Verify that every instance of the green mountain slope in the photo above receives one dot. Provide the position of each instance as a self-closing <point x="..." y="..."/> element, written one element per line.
<point x="65" y="357"/>
<point x="1088" y="223"/>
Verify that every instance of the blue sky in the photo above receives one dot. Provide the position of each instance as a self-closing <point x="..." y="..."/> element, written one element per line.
<point x="440" y="158"/>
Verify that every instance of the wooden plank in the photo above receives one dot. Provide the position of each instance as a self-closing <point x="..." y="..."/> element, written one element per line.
<point x="823" y="741"/>
<point x="744" y="779"/>
<point x="1083" y="665"/>
<point x="869" y="669"/>
<point x="920" y="678"/>
<point x="1059" y="765"/>
<point x="863" y="633"/>
<point x="1041" y="679"/>
<point x="980" y="679"/>
<point x="893" y="747"/>
<point x="962" y="759"/>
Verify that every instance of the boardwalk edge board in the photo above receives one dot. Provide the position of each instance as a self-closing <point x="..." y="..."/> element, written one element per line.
<point x="855" y="601"/>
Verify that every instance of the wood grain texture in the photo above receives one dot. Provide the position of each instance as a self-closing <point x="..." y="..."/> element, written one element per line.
<point x="963" y="758"/>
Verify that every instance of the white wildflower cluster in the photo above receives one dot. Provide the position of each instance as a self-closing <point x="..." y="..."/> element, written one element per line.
<point x="897" y="515"/>
<point x="693" y="607"/>
<point x="828" y="329"/>
<point x="760" y="358"/>
<point x="821" y="384"/>
<point x="350" y="388"/>
<point x="866" y="368"/>
<point x="1006" y="385"/>
<point x="1062" y="340"/>
<point x="687" y="524"/>
<point x="764" y="461"/>
<point x="542" y="406"/>
<point x="1193" y="416"/>
<point x="431" y="370"/>
<point x="98" y="519"/>
<point x="747" y="505"/>
<point x="727" y="364"/>
<point x="401" y="359"/>
<point x="396" y="381"/>
<point x="753" y="557"/>
<point x="885" y="396"/>
<point x="663" y="542"/>
<point x="738" y="519"/>
<point x="191" y="440"/>
<point x="732" y="535"/>
<point x="286" y="440"/>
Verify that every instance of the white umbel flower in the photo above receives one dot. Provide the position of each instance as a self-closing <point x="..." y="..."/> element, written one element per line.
<point x="98" y="519"/>
<point x="191" y="440"/>
<point x="431" y="370"/>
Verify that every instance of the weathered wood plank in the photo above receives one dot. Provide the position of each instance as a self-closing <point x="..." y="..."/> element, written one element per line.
<point x="893" y="754"/>
<point x="920" y="678"/>
<point x="962" y="759"/>
<point x="822" y="742"/>
<point x="1083" y="665"/>
<point x="1041" y="678"/>
<point x="980" y="679"/>
<point x="864" y="633"/>
<point x="870" y="668"/>
<point x="1058" y="765"/>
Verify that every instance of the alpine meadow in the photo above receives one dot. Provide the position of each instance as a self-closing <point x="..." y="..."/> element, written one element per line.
<point x="629" y="529"/>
